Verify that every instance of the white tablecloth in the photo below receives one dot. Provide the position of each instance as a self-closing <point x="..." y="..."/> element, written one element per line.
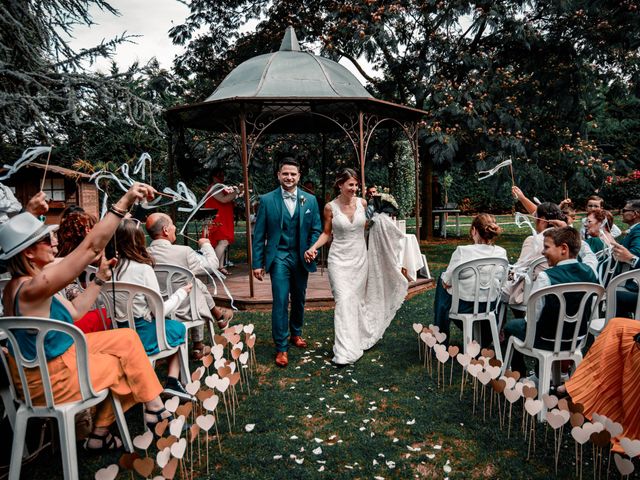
<point x="411" y="257"/>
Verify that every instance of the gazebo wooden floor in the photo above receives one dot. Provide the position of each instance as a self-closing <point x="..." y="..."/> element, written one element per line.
<point x="318" y="290"/>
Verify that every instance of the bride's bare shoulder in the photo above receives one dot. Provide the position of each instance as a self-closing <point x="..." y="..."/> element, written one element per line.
<point x="363" y="201"/>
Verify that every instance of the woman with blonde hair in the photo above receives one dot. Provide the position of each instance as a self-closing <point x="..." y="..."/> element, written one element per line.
<point x="117" y="359"/>
<point x="484" y="231"/>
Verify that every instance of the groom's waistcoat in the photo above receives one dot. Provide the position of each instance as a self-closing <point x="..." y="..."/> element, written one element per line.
<point x="290" y="235"/>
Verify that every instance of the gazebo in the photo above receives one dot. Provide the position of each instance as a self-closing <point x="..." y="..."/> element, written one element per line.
<point x="291" y="91"/>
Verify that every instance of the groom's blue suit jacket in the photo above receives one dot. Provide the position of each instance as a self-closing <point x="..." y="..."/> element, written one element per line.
<point x="266" y="233"/>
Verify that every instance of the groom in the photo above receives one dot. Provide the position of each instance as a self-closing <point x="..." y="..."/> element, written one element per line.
<point x="288" y="223"/>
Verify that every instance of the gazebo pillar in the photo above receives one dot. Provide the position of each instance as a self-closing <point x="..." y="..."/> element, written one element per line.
<point x="361" y="152"/>
<point x="247" y="197"/>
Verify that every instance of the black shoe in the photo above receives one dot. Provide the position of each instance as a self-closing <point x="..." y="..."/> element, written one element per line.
<point x="174" y="387"/>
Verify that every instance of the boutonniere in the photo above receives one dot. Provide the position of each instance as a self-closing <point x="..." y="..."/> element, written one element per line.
<point x="302" y="200"/>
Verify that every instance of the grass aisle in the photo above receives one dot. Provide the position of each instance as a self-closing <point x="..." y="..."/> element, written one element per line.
<point x="382" y="418"/>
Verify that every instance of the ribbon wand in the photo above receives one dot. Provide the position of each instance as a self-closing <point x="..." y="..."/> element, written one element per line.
<point x="46" y="166"/>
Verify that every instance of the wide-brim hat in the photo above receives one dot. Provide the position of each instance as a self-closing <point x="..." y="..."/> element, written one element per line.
<point x="21" y="232"/>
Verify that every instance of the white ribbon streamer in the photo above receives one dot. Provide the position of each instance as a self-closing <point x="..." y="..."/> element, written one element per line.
<point x="489" y="173"/>
<point x="523" y="220"/>
<point x="28" y="156"/>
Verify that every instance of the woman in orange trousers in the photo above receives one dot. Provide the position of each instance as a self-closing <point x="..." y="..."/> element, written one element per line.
<point x="607" y="381"/>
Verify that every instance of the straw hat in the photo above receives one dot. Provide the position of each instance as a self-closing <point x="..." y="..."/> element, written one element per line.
<point x="21" y="232"/>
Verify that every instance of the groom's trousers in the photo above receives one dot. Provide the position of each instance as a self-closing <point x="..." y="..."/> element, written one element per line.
<point x="288" y="278"/>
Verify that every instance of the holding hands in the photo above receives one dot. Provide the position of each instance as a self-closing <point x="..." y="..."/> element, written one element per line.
<point x="310" y="255"/>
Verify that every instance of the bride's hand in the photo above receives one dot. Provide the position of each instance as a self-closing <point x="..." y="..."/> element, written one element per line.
<point x="310" y="255"/>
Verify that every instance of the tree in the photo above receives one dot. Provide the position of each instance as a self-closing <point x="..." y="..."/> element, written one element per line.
<point x="45" y="89"/>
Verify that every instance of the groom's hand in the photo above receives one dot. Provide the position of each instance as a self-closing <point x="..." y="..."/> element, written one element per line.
<point x="258" y="273"/>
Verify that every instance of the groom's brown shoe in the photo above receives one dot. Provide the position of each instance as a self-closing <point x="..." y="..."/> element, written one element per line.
<point x="298" y="341"/>
<point x="282" y="359"/>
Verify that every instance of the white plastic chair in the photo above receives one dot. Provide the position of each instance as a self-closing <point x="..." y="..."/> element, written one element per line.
<point x="607" y="266"/>
<point x="597" y="324"/>
<point x="125" y="293"/>
<point x="64" y="413"/>
<point x="536" y="266"/>
<point x="489" y="275"/>
<point x="171" y="278"/>
<point x="592" y="293"/>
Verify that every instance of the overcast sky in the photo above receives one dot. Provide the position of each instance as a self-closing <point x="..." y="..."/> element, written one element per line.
<point x="151" y="19"/>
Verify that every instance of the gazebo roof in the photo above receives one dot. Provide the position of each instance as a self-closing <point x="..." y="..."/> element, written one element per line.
<point x="289" y="72"/>
<point x="288" y="80"/>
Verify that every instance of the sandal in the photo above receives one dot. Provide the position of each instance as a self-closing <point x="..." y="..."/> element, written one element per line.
<point x="159" y="418"/>
<point x="108" y="443"/>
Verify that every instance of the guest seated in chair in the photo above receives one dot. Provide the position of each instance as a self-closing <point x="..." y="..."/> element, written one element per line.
<point x="606" y="381"/>
<point x="135" y="265"/>
<point x="117" y="359"/>
<point x="164" y="250"/>
<point x="74" y="227"/>
<point x="561" y="248"/>
<point x="484" y="231"/>
<point x="598" y="226"/>
<point x="627" y="252"/>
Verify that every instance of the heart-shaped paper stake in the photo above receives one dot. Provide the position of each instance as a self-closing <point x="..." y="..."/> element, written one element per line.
<point x="211" y="380"/>
<point x="224" y="371"/>
<point x="251" y="341"/>
<point x="453" y="350"/>
<point x="144" y="466"/>
<point x="198" y="373"/>
<point x="169" y="471"/>
<point x="577" y="419"/>
<point x="172" y="404"/>
<point x="529" y="392"/>
<point x="166" y="442"/>
<point x="463" y="359"/>
<point x="550" y="401"/>
<point x="184" y="410"/>
<point x="434" y="328"/>
<point x="178" y="448"/>
<point x="108" y="473"/>
<point x="533" y="407"/>
<point x="484" y="377"/>
<point x="474" y="369"/>
<point x="487" y="352"/>
<point x="248" y="328"/>
<point x="175" y="427"/>
<point x="143" y="441"/>
<point x="515" y="375"/>
<point x="220" y="340"/>
<point x="499" y="385"/>
<point x="512" y="395"/>
<point x="614" y="428"/>
<point x="580" y="435"/>
<point x="126" y="460"/>
<point x="161" y="427"/>
<point x="473" y="348"/>
<point x="557" y="418"/>
<point x="223" y="384"/>
<point x="631" y="447"/>
<point x="509" y="381"/>
<point x="244" y="358"/>
<point x="625" y="466"/>
<point x="238" y="327"/>
<point x="163" y="457"/>
<point x="211" y="403"/>
<point x="417" y="327"/>
<point x="440" y="337"/>
<point x="207" y="360"/>
<point x="202" y="395"/>
<point x="494" y="372"/>
<point x="192" y="387"/>
<point x="601" y="439"/>
<point x="221" y="362"/>
<point x="205" y="422"/>
<point x="217" y="351"/>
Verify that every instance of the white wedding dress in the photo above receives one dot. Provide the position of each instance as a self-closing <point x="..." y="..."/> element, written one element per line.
<point x="368" y="286"/>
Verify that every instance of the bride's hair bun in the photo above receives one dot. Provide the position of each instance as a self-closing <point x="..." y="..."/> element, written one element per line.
<point x="486" y="227"/>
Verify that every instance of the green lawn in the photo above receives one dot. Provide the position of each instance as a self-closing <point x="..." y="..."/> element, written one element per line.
<point x="382" y="418"/>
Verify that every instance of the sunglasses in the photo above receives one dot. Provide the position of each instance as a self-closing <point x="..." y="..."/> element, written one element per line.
<point x="48" y="239"/>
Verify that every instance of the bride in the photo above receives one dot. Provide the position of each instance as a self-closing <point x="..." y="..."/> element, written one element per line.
<point x="368" y="286"/>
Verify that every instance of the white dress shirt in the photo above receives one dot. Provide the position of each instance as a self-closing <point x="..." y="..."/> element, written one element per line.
<point x="290" y="203"/>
